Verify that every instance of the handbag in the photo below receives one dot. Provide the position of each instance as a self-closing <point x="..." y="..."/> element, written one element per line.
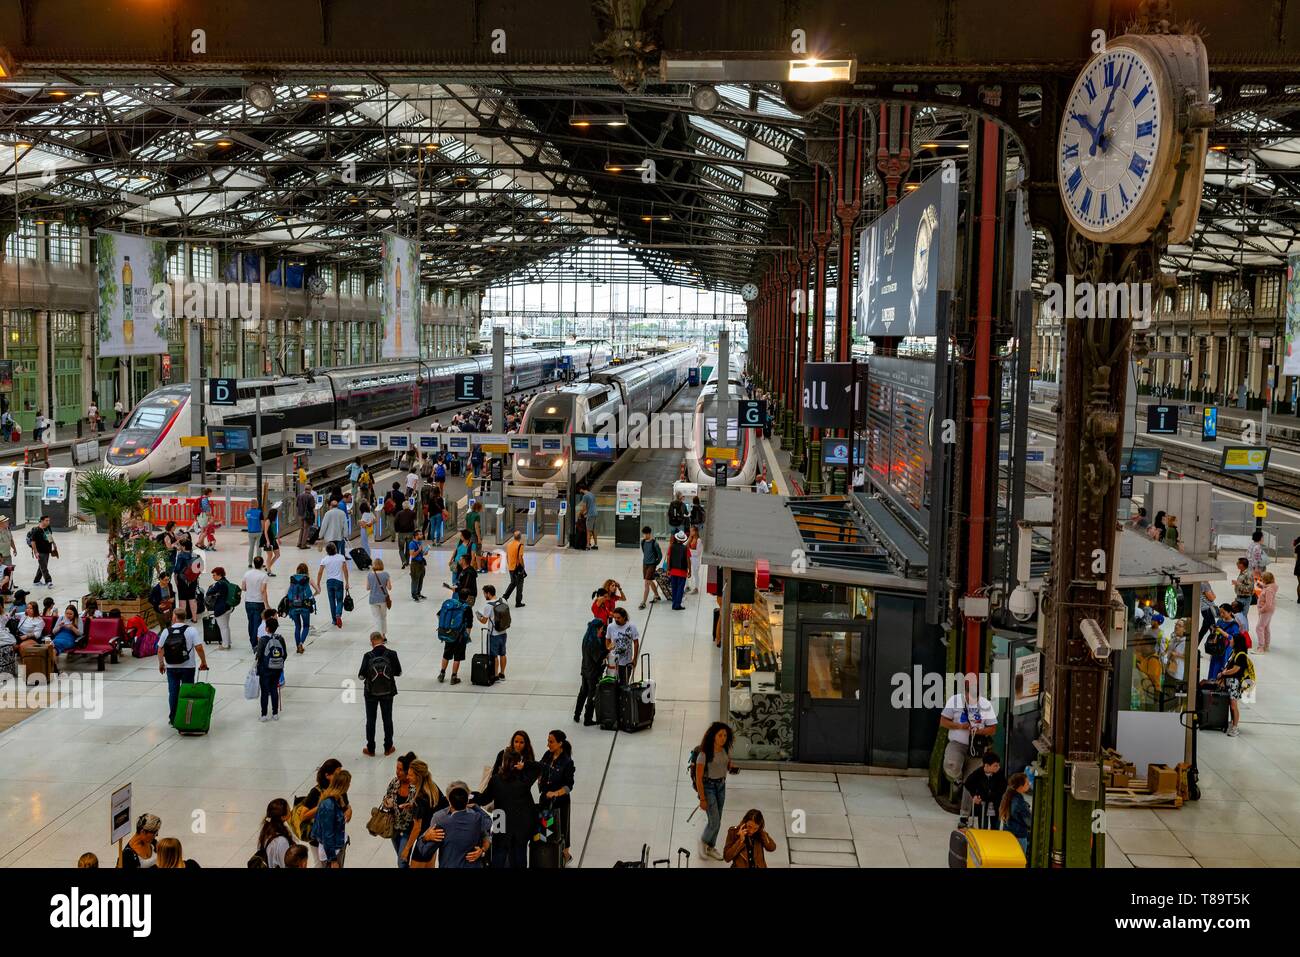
<point x="380" y="823"/>
<point x="348" y="604"/>
<point x="252" y="685"/>
<point x="388" y="601"/>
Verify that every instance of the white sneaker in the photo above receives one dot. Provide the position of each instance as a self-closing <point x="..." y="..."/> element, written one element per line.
<point x="712" y="852"/>
<point x="263" y="718"/>
<point x="275" y="717"/>
<point x="1232" y="732"/>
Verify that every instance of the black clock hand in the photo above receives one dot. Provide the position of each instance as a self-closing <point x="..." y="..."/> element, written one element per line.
<point x="1099" y="133"/>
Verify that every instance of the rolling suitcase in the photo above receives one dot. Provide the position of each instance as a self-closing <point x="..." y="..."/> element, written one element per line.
<point x="313" y="535"/>
<point x="360" y="557"/>
<point x="211" y="633"/>
<point x="39" y="660"/>
<point x="636" y="701"/>
<point x="483" y="667"/>
<point x="607" y="691"/>
<point x="194" y="708"/>
<point x="1212" y="708"/>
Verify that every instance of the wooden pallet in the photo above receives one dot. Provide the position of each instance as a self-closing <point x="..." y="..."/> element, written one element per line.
<point x="1141" y="797"/>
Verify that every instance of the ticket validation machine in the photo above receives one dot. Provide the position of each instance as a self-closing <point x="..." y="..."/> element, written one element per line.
<point x="532" y="530"/>
<point x="562" y="525"/>
<point x="59" y="496"/>
<point x="11" y="495"/>
<point x="627" y="515"/>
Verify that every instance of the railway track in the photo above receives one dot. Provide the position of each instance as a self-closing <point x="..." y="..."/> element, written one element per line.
<point x="1281" y="487"/>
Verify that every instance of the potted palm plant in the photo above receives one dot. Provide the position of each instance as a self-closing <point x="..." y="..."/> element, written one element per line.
<point x="132" y="564"/>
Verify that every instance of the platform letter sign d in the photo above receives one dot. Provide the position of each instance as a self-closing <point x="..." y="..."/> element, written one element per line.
<point x="222" y="392"/>
<point x="753" y="413"/>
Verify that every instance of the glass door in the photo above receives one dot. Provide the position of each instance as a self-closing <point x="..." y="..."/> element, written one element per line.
<point x="833" y="709"/>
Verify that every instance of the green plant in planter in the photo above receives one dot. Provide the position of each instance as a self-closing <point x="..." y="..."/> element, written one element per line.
<point x="108" y="496"/>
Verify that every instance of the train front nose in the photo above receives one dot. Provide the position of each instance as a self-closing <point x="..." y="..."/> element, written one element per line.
<point x="129" y="448"/>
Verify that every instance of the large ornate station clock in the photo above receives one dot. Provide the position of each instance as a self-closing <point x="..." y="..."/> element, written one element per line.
<point x="1133" y="137"/>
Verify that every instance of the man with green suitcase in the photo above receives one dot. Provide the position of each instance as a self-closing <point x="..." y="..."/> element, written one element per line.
<point x="180" y="656"/>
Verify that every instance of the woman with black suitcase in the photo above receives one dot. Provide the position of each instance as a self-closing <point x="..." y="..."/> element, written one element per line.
<point x="555" y="783"/>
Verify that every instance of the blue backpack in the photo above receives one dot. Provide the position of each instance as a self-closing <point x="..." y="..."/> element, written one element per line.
<point x="300" y="593"/>
<point x="453" y="624"/>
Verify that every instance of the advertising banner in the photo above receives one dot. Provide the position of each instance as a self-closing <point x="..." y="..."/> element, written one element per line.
<point x="131" y="313"/>
<point x="399" y="308"/>
<point x="904" y="258"/>
<point x="1291" y="364"/>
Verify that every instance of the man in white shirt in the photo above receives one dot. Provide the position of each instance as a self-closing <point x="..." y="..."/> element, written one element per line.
<point x="118" y="410"/>
<point x="963" y="715"/>
<point x="257" y="598"/>
<point x="181" y="660"/>
<point x="624" y="640"/>
<point x="334" y="568"/>
<point x="761" y="486"/>
<point x="412" y="480"/>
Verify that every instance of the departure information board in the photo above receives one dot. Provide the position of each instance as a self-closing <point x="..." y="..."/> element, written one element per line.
<point x="900" y="430"/>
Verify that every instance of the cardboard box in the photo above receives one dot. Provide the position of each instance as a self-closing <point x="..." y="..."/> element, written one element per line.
<point x="1162" y="779"/>
<point x="1120" y="779"/>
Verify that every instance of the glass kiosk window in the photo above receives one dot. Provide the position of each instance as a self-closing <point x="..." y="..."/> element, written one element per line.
<point x="1153" y="668"/>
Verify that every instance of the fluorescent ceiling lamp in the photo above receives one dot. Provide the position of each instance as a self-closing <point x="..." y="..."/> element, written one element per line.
<point x="615" y="167"/>
<point x="820" y="71"/>
<point x="598" y="119"/>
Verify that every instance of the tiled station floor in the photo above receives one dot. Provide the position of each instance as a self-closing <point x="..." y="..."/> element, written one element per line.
<point x="57" y="768"/>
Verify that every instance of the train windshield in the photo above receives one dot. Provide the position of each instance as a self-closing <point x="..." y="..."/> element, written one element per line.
<point x="711" y="429"/>
<point x="543" y="426"/>
<point x="152" y="415"/>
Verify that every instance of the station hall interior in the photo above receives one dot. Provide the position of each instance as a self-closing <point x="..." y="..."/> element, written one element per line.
<point x="665" y="435"/>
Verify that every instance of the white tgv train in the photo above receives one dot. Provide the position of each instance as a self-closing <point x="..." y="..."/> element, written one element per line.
<point x="370" y="396"/>
<point x="642" y="387"/>
<point x="700" y="467"/>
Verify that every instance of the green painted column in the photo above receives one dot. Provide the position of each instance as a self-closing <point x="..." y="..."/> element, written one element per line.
<point x="800" y="448"/>
<point x="787" y="428"/>
<point x="814" y="470"/>
<point x="839" y="480"/>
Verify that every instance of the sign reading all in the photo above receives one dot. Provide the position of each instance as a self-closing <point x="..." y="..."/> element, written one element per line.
<point x="829" y="399"/>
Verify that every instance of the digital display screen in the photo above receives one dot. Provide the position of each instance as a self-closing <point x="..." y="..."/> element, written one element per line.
<point x="626" y="507"/>
<point x="899" y="432"/>
<point x="52" y="493"/>
<point x="552" y="445"/>
<point x="1140" y="461"/>
<point x="592" y="448"/>
<point x="836" y="452"/>
<point x="231" y="438"/>
<point x="1247" y="459"/>
<point x="429" y="442"/>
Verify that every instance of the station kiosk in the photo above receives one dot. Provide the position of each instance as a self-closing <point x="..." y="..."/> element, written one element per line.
<point x="532" y="530"/>
<point x="627" y="515"/>
<point x="11" y="495"/>
<point x="562" y="524"/>
<point x="59" y="496"/>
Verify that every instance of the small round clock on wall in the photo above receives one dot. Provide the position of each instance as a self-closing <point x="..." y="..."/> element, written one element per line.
<point x="749" y="292"/>
<point x="1122" y="133"/>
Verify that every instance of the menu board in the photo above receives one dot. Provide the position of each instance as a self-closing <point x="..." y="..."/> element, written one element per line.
<point x="900" y="431"/>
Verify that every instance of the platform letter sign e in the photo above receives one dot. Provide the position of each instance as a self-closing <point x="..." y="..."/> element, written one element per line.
<point x="469" y="386"/>
<point x="222" y="392"/>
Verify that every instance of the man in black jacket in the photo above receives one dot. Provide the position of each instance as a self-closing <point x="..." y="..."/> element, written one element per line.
<point x="594" y="654"/>
<point x="380" y="669"/>
<point x="985" y="787"/>
<point x="404" y="526"/>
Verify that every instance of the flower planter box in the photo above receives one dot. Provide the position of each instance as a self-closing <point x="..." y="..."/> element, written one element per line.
<point x="128" y="608"/>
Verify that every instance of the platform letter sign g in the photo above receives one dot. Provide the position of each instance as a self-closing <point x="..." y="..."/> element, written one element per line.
<point x="753" y="413"/>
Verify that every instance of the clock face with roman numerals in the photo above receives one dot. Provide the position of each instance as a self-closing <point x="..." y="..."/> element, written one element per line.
<point x="1110" y="150"/>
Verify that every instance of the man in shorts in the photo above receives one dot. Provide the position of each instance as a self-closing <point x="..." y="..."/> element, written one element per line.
<point x="651" y="557"/>
<point x="454" y="651"/>
<point x="496" y="639"/>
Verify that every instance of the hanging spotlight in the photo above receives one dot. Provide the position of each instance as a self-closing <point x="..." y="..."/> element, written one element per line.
<point x="598" y="119"/>
<point x="705" y="98"/>
<point x="260" y="95"/>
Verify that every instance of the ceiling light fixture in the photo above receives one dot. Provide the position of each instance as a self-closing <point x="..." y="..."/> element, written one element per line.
<point x="663" y="218"/>
<point x="432" y="145"/>
<point x="929" y="146"/>
<point x="225" y="142"/>
<point x="583" y="120"/>
<point x="90" y="93"/>
<point x="1219" y="148"/>
<point x="260" y="95"/>
<point x="59" y="94"/>
<point x="705" y="98"/>
<point x="318" y="95"/>
<point x="820" y="71"/>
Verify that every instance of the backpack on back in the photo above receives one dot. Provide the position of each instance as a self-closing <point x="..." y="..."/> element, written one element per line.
<point x="175" y="648"/>
<point x="500" y="616"/>
<point x="233" y="593"/>
<point x="451" y="620"/>
<point x="300" y="593"/>
<point x="275" y="652"/>
<point x="379" y="683"/>
<point x="390" y="506"/>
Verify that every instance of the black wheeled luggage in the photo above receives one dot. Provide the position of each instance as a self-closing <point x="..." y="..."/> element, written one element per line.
<point x="1212" y="708"/>
<point x="361" y="558"/>
<point x="607" y="696"/>
<point x="636" y="701"/>
<point x="483" y="667"/>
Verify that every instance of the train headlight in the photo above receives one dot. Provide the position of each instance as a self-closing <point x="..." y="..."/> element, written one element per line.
<point x="141" y="451"/>
<point x="523" y="463"/>
<point x="559" y="461"/>
<point x="735" y="463"/>
<point x="708" y="463"/>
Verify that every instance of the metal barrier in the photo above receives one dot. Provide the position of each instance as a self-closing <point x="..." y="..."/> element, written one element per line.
<point x="451" y="526"/>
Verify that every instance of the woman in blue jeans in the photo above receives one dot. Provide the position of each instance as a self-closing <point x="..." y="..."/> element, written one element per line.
<point x="302" y="602"/>
<point x="712" y="765"/>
